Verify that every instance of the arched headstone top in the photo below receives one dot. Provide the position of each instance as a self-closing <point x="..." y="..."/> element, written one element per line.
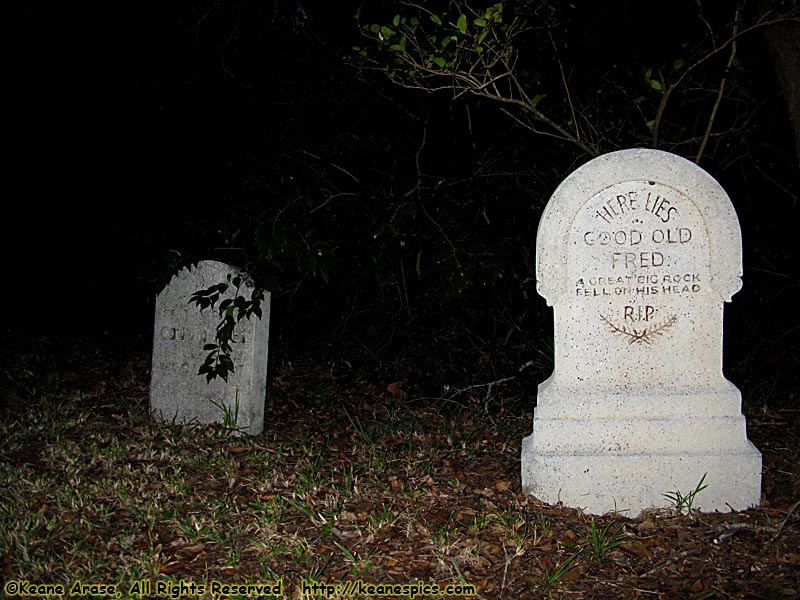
<point x="630" y="183"/>
<point x="204" y="273"/>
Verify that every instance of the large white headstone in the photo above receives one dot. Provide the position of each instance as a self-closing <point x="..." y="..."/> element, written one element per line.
<point x="177" y="392"/>
<point x="636" y="252"/>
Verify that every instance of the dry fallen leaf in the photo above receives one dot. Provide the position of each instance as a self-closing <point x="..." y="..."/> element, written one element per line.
<point x="502" y="486"/>
<point x="635" y="549"/>
<point x="171" y="567"/>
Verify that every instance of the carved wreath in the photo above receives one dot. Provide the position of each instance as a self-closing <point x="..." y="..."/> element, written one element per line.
<point x="644" y="336"/>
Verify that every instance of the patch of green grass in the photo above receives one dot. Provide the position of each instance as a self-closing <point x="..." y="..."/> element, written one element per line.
<point x="553" y="575"/>
<point x="230" y="414"/>
<point x="384" y="516"/>
<point x="684" y="503"/>
<point x="362" y="563"/>
<point x="348" y="484"/>
<point x="602" y="541"/>
<point x="481" y="520"/>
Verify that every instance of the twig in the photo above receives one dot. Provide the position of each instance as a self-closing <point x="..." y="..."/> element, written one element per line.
<point x="444" y="234"/>
<point x="334" y="165"/>
<point x="331" y="197"/>
<point x="783" y="523"/>
<point x="690" y="69"/>
<point x="721" y="88"/>
<point x="404" y="291"/>
<point x="566" y="87"/>
<point x="505" y="569"/>
<point x="734" y="527"/>
<point x="671" y="561"/>
<point x="489" y="392"/>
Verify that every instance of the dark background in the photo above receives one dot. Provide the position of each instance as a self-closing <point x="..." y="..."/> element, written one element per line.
<point x="145" y="136"/>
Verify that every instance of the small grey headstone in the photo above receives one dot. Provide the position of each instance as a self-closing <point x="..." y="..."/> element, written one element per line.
<point x="637" y="251"/>
<point x="181" y="330"/>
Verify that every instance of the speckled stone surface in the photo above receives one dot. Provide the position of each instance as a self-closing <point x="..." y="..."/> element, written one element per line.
<point x="181" y="330"/>
<point x="637" y="251"/>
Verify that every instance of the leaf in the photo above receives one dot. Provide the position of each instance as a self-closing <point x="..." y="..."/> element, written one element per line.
<point x="226" y="361"/>
<point x="439" y="62"/>
<point x="436" y="19"/>
<point x="637" y="549"/>
<point x="170" y="568"/>
<point x="401" y="47"/>
<point x="394" y="389"/>
<point x="462" y="23"/>
<point x="495" y="13"/>
<point x="655" y="84"/>
<point x="386" y="33"/>
<point x="480" y="22"/>
<point x="396" y="20"/>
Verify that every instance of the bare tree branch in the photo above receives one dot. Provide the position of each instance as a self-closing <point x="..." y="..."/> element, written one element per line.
<point x="721" y="90"/>
<point x="668" y="89"/>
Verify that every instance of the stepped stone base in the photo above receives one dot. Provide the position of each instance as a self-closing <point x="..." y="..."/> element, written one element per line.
<point x="632" y="481"/>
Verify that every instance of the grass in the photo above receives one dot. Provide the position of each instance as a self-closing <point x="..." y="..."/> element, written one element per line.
<point x="552" y="575"/>
<point x="600" y="541"/>
<point x="96" y="490"/>
<point x="684" y="503"/>
<point x="230" y="415"/>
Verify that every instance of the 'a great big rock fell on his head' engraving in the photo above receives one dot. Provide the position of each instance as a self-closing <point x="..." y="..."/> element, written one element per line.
<point x="637" y="251"/>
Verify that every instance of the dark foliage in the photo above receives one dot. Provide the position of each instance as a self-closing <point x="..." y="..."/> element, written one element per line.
<point x="394" y="225"/>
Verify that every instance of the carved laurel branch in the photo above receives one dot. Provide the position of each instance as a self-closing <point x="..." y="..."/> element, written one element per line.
<point x="645" y="336"/>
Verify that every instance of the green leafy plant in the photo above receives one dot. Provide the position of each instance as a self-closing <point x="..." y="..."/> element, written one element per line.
<point x="218" y="362"/>
<point x="485" y="51"/>
<point x="601" y="541"/>
<point x="471" y="49"/>
<point x="683" y="502"/>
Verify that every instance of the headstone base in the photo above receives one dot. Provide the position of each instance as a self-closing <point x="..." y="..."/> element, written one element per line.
<point x="628" y="464"/>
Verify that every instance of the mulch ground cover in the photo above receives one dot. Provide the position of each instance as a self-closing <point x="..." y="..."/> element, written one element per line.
<point x="354" y="479"/>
